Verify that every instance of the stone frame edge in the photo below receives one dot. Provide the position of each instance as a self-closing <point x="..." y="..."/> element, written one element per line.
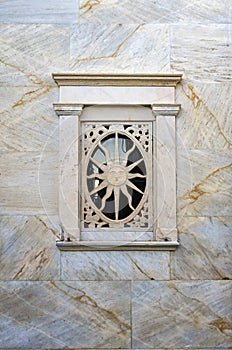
<point x="166" y="238"/>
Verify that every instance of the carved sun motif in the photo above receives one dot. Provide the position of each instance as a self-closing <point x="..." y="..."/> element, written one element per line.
<point x="115" y="175"/>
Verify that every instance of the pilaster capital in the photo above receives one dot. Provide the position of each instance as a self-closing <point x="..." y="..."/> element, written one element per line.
<point x="68" y="109"/>
<point x="166" y="110"/>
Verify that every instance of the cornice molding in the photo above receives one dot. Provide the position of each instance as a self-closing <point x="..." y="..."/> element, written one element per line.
<point x="73" y="79"/>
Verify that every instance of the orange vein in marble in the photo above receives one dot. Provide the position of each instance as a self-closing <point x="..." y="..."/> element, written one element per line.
<point x="42" y="258"/>
<point x="140" y="269"/>
<point x="48" y="228"/>
<point x="206" y="256"/>
<point x="38" y="260"/>
<point x="32" y="95"/>
<point x="197" y="192"/>
<point x="220" y="323"/>
<point x="115" y="53"/>
<point x="89" y="5"/>
<point x="34" y="78"/>
<point x="85" y="299"/>
<point x="197" y="102"/>
<point x="16" y="276"/>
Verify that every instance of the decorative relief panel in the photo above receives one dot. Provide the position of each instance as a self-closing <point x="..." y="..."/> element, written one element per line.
<point x="116" y="176"/>
<point x="117" y="161"/>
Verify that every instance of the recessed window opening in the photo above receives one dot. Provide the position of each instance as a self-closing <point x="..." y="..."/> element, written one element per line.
<point x="115" y="172"/>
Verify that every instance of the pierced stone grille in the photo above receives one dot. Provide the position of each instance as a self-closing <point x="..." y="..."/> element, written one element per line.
<point x="116" y="176"/>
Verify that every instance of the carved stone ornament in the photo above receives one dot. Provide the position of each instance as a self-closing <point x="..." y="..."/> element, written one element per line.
<point x="116" y="173"/>
<point x="117" y="161"/>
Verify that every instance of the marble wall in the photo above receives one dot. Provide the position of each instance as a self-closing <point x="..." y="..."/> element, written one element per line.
<point x="110" y="300"/>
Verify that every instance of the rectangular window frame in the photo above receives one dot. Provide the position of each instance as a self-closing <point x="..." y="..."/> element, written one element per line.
<point x="153" y="93"/>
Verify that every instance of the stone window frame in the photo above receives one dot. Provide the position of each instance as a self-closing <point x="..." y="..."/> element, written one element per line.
<point x="77" y="92"/>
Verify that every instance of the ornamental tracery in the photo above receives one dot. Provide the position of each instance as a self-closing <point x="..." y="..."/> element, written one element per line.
<point x="116" y="174"/>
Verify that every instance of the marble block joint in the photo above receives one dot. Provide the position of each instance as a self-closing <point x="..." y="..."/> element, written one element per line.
<point x="142" y="110"/>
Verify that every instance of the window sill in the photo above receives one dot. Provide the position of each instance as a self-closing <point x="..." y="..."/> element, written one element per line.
<point x="115" y="245"/>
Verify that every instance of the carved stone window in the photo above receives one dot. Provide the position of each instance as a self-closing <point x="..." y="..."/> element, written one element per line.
<point x="117" y="161"/>
<point x="116" y="175"/>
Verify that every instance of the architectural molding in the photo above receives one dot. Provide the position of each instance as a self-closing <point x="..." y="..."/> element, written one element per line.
<point x="166" y="110"/>
<point x="73" y="79"/>
<point x="91" y="105"/>
<point x="115" y="245"/>
<point x="67" y="109"/>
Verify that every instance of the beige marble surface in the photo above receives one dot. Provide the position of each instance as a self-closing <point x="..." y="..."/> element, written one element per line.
<point x="204" y="121"/>
<point x="161" y="11"/>
<point x="29" y="185"/>
<point x="165" y="177"/>
<point x="43" y="11"/>
<point x="28" y="249"/>
<point x="191" y="311"/>
<point x="55" y="315"/>
<point x="181" y="314"/>
<point x="118" y="95"/>
<point x="69" y="174"/>
<point x="202" y="52"/>
<point x="205" y="249"/>
<point x="204" y="180"/>
<point x="28" y="122"/>
<point x="108" y="266"/>
<point x="30" y="53"/>
<point x="119" y="48"/>
<point x="204" y="149"/>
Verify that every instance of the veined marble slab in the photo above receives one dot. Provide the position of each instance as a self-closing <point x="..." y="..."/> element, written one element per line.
<point x="205" y="249"/>
<point x="115" y="265"/>
<point x="29" y="183"/>
<point x="119" y="48"/>
<point x="181" y="314"/>
<point x="28" y="250"/>
<point x="127" y="95"/>
<point x="29" y="147"/>
<point x="204" y="121"/>
<point x="55" y="315"/>
<point x="43" y="11"/>
<point x="202" y="52"/>
<point x="161" y="11"/>
<point x="204" y="181"/>
<point x="28" y="122"/>
<point x="30" y="53"/>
